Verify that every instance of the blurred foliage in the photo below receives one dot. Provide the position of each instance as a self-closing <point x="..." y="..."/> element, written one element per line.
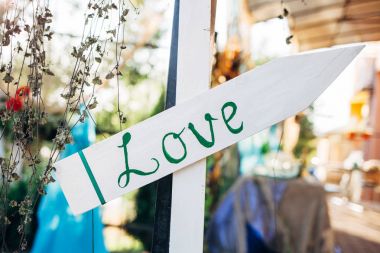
<point x="18" y="192"/>
<point x="142" y="226"/>
<point x="305" y="146"/>
<point x="46" y="131"/>
<point x="30" y="178"/>
<point x="132" y="74"/>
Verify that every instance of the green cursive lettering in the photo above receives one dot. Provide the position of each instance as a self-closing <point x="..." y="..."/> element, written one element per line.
<point x="170" y="158"/>
<point x="200" y="138"/>
<point x="127" y="173"/>
<point x="229" y="118"/>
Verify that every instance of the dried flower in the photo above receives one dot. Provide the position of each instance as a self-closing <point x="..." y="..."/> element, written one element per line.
<point x="13" y="203"/>
<point x="25" y="125"/>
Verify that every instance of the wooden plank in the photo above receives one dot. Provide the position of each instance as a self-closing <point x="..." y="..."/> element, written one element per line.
<point x="335" y="30"/>
<point x="321" y="16"/>
<point x="360" y="32"/>
<point x="362" y="8"/>
<point x="188" y="191"/>
<point x="198" y="127"/>
<point x="333" y="22"/>
<point x="307" y="10"/>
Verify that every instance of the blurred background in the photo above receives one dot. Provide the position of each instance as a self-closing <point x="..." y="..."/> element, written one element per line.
<point x="308" y="184"/>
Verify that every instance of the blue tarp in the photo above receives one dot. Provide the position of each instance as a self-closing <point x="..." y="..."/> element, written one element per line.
<point x="59" y="231"/>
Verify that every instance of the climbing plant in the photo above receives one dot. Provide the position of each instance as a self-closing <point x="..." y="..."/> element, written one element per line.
<point x="26" y="73"/>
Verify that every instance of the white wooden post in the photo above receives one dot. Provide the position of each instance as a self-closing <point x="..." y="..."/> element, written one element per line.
<point x="188" y="191"/>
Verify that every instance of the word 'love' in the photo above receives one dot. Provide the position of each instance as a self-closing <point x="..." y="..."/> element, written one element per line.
<point x="173" y="136"/>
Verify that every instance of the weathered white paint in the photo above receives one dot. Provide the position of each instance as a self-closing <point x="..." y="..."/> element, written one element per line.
<point x="264" y="96"/>
<point x="194" y="59"/>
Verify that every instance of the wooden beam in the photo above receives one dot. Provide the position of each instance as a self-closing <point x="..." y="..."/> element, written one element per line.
<point x="374" y="142"/>
<point x="334" y="29"/>
<point x="363" y="20"/>
<point x="372" y="14"/>
<point x="349" y="5"/>
<point x="194" y="60"/>
<point x="327" y="37"/>
<point x="313" y="11"/>
<point x="362" y="7"/>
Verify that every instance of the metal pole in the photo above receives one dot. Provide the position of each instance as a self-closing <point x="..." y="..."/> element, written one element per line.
<point x="161" y="232"/>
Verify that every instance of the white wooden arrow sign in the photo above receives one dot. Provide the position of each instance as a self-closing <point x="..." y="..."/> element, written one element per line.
<point x="198" y="127"/>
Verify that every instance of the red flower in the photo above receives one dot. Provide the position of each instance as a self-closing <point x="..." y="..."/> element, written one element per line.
<point x="23" y="91"/>
<point x="14" y="104"/>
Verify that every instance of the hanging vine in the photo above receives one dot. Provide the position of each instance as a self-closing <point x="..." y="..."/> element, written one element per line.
<point x="25" y="34"/>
